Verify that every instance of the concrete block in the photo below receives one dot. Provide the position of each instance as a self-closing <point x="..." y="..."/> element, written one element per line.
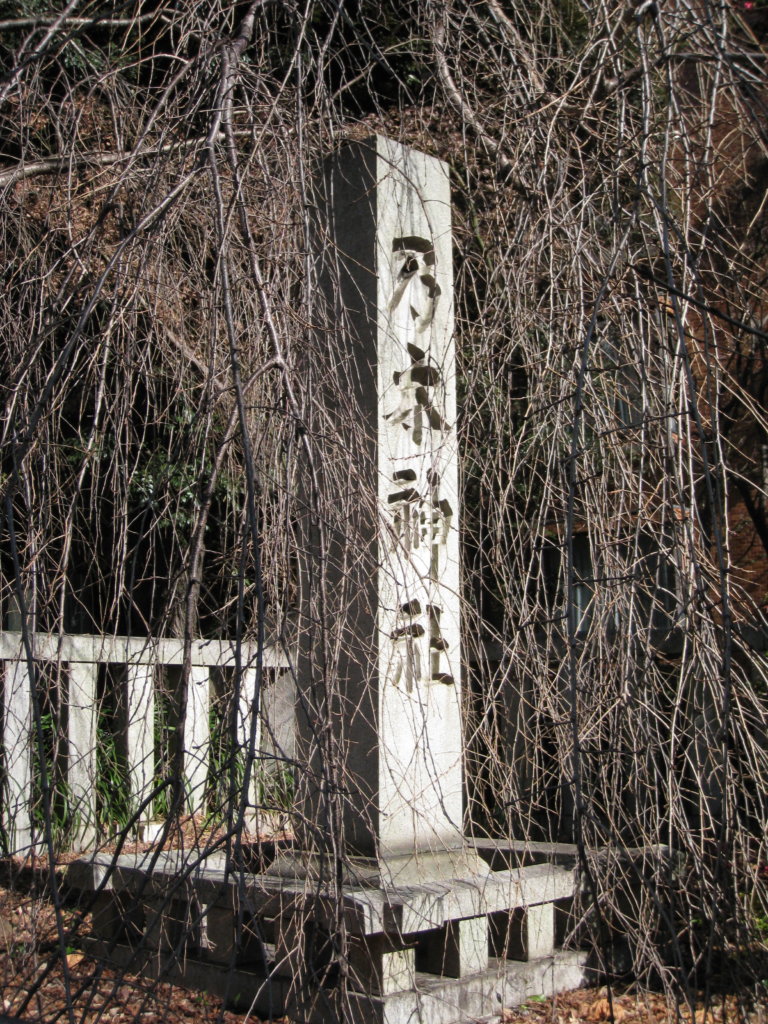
<point x="151" y="831"/>
<point x="170" y="925"/>
<point x="224" y="943"/>
<point x="303" y="947"/>
<point x="106" y="918"/>
<point x="381" y="965"/>
<point x="417" y="908"/>
<point x="117" y="917"/>
<point x="87" y="874"/>
<point x="525" y="933"/>
<point x="288" y="945"/>
<point x="458" y="1000"/>
<point x="539" y="931"/>
<point x="218" y="934"/>
<point x="455" y="950"/>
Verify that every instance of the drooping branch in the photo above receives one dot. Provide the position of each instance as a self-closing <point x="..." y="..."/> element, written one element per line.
<point x="77" y="162"/>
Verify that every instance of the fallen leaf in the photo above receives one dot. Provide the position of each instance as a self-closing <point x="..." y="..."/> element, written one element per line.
<point x="73" y="959"/>
<point x="7" y="934"/>
<point x="601" y="1010"/>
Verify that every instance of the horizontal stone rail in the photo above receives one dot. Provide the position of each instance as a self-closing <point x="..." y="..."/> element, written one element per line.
<point x="68" y="647"/>
<point x="71" y="664"/>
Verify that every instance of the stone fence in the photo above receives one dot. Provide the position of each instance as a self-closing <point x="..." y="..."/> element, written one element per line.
<point x="123" y="695"/>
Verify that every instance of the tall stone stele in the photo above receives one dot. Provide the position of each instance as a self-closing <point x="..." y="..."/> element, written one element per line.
<point x="385" y="237"/>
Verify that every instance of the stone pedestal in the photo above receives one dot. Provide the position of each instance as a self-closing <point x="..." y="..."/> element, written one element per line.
<point x="416" y="955"/>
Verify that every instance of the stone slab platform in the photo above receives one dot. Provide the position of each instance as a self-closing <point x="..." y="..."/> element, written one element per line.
<point x="418" y="954"/>
<point x="366" y="911"/>
<point x="433" y="1000"/>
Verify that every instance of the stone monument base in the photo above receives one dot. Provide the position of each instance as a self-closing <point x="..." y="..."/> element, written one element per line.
<point x="431" y="1000"/>
<point x="436" y="952"/>
<point x="400" y="870"/>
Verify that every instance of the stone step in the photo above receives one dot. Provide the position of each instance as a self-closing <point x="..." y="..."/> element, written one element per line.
<point x="431" y="1000"/>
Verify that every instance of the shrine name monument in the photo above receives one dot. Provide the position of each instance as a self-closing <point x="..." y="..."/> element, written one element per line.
<point x="434" y="932"/>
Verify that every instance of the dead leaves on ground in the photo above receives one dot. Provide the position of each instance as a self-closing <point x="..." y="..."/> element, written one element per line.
<point x="569" y="1008"/>
<point x="592" y="1006"/>
<point x="605" y="1009"/>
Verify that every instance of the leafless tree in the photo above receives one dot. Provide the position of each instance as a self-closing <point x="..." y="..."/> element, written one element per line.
<point x="170" y="387"/>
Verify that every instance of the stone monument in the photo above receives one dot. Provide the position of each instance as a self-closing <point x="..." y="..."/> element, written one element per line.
<point x="381" y="887"/>
<point x="388" y="281"/>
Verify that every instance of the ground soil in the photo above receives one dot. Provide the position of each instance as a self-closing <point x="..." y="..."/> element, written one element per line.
<point x="40" y="983"/>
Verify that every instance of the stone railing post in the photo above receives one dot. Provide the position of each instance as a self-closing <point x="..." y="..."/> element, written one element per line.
<point x="140" y="735"/>
<point x="81" y="752"/>
<point x="246" y="694"/>
<point x="197" y="737"/>
<point x="18" y="743"/>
